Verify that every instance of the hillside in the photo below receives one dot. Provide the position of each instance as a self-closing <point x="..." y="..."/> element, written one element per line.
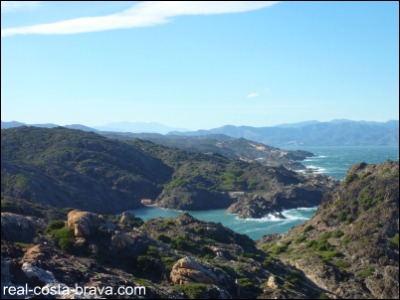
<point x="71" y="168"/>
<point x="233" y="148"/>
<point x="358" y="133"/>
<point x="212" y="180"/>
<point x="348" y="250"/>
<point x="351" y="246"/>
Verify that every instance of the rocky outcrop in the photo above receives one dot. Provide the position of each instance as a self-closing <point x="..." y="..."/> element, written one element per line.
<point x="350" y="247"/>
<point x="18" y="228"/>
<point x="83" y="223"/>
<point x="188" y="270"/>
<point x="308" y="194"/>
<point x="38" y="275"/>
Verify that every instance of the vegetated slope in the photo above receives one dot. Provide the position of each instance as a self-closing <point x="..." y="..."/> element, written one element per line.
<point x="335" y="133"/>
<point x="351" y="246"/>
<point x="234" y="148"/>
<point x="202" y="181"/>
<point x="72" y="168"/>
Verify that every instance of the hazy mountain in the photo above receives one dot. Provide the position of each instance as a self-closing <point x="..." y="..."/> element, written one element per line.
<point x="138" y="127"/>
<point x="334" y="133"/>
<point x="12" y="124"/>
<point x="80" y="127"/>
<point x="296" y="125"/>
<point x="5" y="125"/>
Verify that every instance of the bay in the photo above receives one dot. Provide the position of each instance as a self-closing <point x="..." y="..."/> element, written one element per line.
<point x="332" y="161"/>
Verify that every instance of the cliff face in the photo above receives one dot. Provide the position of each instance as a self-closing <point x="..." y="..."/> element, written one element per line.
<point x="351" y="246"/>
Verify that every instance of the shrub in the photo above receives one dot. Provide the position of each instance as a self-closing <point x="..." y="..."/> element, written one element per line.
<point x="163" y="238"/>
<point x="248" y="285"/>
<point x="56" y="224"/>
<point x="308" y="228"/>
<point x="342" y="264"/>
<point x="183" y="243"/>
<point x="168" y="261"/>
<point x="346" y="240"/>
<point x="64" y="237"/>
<point x="299" y="239"/>
<point x="350" y="178"/>
<point x="367" y="272"/>
<point x="395" y="240"/>
<point x="192" y="290"/>
<point x="277" y="249"/>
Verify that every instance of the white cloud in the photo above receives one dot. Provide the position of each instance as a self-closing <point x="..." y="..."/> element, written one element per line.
<point x="9" y="6"/>
<point x="252" y="95"/>
<point x="148" y="13"/>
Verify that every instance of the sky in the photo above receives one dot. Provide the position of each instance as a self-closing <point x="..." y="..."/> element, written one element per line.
<point x="199" y="64"/>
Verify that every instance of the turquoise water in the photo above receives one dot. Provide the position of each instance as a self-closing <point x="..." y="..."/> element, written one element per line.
<point x="254" y="228"/>
<point x="333" y="161"/>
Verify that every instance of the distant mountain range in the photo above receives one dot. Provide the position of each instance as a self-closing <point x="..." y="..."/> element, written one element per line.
<point x="6" y="125"/>
<point x="314" y="133"/>
<point x="138" y="127"/>
<point x="340" y="132"/>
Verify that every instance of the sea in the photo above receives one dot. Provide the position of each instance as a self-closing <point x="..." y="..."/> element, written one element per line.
<point x="332" y="161"/>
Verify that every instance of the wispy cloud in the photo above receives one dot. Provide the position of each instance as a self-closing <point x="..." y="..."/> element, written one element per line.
<point x="252" y="95"/>
<point x="10" y="6"/>
<point x="148" y="13"/>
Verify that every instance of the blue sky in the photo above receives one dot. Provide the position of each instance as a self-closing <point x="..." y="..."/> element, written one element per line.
<point x="199" y="65"/>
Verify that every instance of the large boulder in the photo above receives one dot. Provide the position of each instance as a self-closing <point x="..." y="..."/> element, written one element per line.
<point x="83" y="223"/>
<point x="188" y="270"/>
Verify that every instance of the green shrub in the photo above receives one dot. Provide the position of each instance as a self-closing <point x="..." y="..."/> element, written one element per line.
<point x="248" y="285"/>
<point x="183" y="243"/>
<point x="299" y="239"/>
<point x="308" y="228"/>
<point x="163" y="238"/>
<point x="342" y="216"/>
<point x="367" y="272"/>
<point x="346" y="240"/>
<point x="64" y="237"/>
<point x="192" y="290"/>
<point x="395" y="240"/>
<point x="146" y="263"/>
<point x="277" y="249"/>
<point x="56" y="224"/>
<point x="342" y="264"/>
<point x="168" y="261"/>
<point x="337" y="234"/>
<point x="350" y="178"/>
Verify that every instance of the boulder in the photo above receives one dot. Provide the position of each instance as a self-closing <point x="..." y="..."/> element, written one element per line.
<point x="188" y="270"/>
<point x="121" y="240"/>
<point x="38" y="275"/>
<point x="83" y="223"/>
